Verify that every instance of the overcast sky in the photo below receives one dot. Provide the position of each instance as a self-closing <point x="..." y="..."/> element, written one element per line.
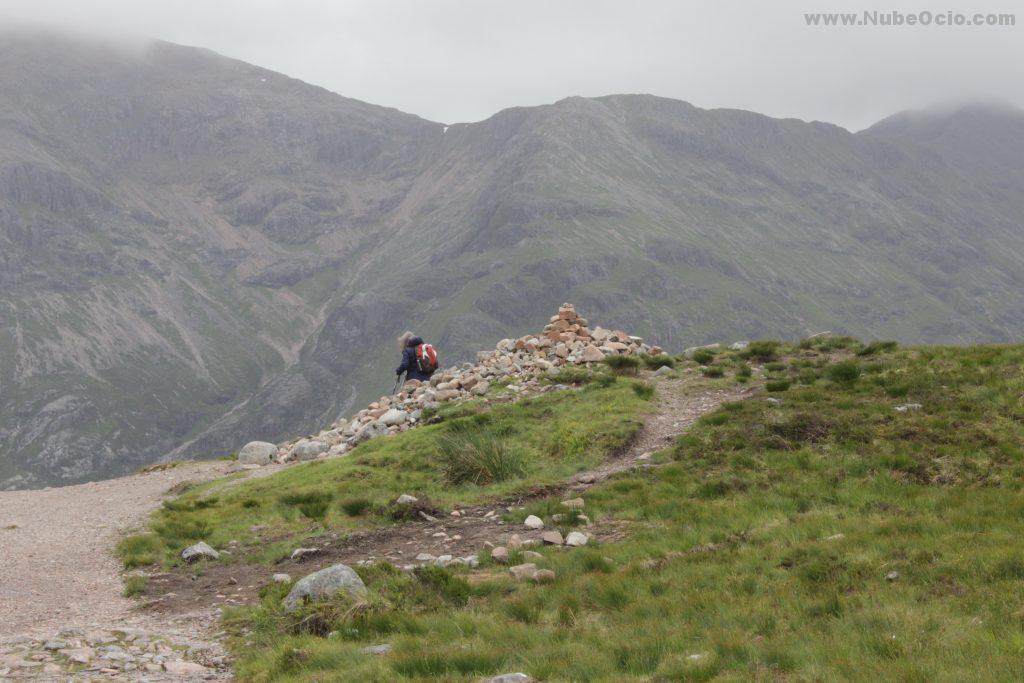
<point x="463" y="60"/>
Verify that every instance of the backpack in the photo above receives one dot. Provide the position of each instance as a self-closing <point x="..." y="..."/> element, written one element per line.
<point x="426" y="359"/>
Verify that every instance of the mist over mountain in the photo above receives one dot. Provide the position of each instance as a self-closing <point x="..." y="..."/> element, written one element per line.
<point x="196" y="252"/>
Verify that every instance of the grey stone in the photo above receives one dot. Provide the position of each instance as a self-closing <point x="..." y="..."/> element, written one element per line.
<point x="281" y="578"/>
<point x="376" y="649"/>
<point x="257" y="453"/>
<point x="662" y="371"/>
<point x="575" y="538"/>
<point x="406" y="499"/>
<point x="199" y="551"/>
<point x="308" y="450"/>
<point x="324" y="584"/>
<point x="517" y="677"/>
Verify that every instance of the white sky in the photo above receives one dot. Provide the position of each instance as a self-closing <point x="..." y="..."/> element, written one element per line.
<point x="463" y="60"/>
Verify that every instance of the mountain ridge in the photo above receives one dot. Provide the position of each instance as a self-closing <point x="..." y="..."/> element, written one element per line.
<point x="193" y="257"/>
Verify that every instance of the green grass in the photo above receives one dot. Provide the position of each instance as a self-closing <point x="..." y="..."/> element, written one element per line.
<point x="623" y="365"/>
<point x="760" y="551"/>
<point x="475" y="454"/>
<point x="135" y="586"/>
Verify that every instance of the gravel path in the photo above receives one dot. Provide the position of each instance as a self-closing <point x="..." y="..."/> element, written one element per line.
<point x="59" y="573"/>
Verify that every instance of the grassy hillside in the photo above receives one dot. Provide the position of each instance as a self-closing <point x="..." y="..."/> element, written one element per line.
<point x="819" y="536"/>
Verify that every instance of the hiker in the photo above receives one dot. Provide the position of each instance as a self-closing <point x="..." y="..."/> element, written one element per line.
<point x="419" y="360"/>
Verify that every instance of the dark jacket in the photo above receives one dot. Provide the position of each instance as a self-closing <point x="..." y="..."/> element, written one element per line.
<point x="408" y="365"/>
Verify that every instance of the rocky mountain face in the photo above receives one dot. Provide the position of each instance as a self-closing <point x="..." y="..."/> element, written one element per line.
<point x="196" y="252"/>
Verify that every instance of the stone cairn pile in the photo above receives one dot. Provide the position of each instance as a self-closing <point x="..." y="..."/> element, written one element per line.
<point x="519" y="364"/>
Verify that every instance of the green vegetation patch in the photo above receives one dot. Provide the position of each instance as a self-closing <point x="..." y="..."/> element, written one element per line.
<point x="476" y="453"/>
<point x="824" y="537"/>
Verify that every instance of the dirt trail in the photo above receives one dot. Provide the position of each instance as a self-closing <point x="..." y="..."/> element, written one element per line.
<point x="461" y="536"/>
<point x="59" y="573"/>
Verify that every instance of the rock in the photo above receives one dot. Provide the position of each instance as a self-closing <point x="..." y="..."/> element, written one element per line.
<point x="179" y="667"/>
<point x="302" y="553"/>
<point x="367" y="432"/>
<point x="281" y="578"/>
<point x="199" y="551"/>
<point x="774" y="401"/>
<point x="393" y="417"/>
<point x="257" y="453"/>
<point x="500" y="554"/>
<point x="54" y="645"/>
<point x="907" y="407"/>
<point x="406" y="499"/>
<point x="575" y="539"/>
<point x="543" y="576"/>
<point x="551" y="537"/>
<point x="80" y="655"/>
<point x="523" y="572"/>
<point x="591" y="354"/>
<point x="574" y="504"/>
<point x="425" y="557"/>
<point x="662" y="371"/>
<point x="324" y="584"/>
<point x="481" y="388"/>
<point x="892" y="576"/>
<point x="517" y="677"/>
<point x="532" y="556"/>
<point x="533" y="522"/>
<point x="308" y="450"/>
<point x="376" y="649"/>
<point x="739" y="346"/>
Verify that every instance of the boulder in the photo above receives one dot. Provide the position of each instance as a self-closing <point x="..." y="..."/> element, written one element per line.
<point x="257" y="453"/>
<point x="481" y="388"/>
<point x="199" y="551"/>
<point x="325" y="584"/>
<point x="500" y="554"/>
<point x="393" y="417"/>
<point x="533" y="522"/>
<point x="662" y="371"/>
<point x="575" y="539"/>
<point x="308" y="450"/>
<point x="591" y="354"/>
<point x="574" y="504"/>
<point x="406" y="499"/>
<point x="281" y="578"/>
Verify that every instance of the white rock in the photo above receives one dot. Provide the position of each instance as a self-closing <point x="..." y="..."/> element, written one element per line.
<point x="406" y="499"/>
<point x="281" y="578"/>
<point x="575" y="538"/>
<point x="393" y="417"/>
<point x="533" y="522"/>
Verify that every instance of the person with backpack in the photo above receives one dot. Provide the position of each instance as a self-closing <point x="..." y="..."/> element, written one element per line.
<point x="419" y="360"/>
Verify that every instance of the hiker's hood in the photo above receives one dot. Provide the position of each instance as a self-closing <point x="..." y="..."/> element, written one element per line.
<point x="415" y="341"/>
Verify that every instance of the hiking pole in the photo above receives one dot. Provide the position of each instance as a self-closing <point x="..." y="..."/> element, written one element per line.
<point x="395" y="390"/>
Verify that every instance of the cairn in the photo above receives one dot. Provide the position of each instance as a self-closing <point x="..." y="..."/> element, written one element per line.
<point x="520" y="363"/>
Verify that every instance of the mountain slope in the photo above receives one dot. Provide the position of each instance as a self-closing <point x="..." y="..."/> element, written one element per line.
<point x="195" y="251"/>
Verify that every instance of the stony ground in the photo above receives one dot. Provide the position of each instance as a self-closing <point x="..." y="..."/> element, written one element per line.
<point x="61" y="603"/>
